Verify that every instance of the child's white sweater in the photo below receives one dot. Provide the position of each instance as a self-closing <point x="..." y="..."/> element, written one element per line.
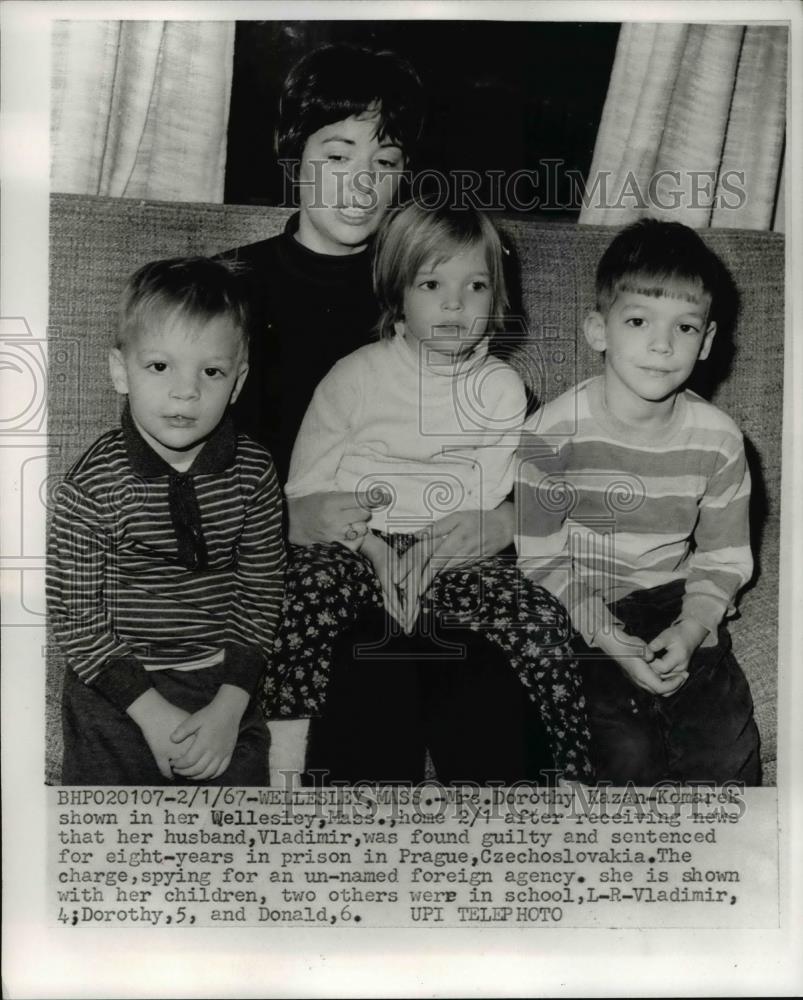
<point x="438" y="438"/>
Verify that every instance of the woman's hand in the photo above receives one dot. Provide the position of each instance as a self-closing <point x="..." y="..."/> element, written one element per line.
<point x="456" y="540"/>
<point x="328" y="517"/>
<point x="384" y="560"/>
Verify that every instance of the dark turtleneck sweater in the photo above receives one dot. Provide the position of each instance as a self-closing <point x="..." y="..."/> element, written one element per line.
<point x="308" y="310"/>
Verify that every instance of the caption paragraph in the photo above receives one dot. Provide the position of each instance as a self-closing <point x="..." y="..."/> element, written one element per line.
<point x="429" y="856"/>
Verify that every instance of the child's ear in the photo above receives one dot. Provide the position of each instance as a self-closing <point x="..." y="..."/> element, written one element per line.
<point x="239" y="382"/>
<point x="708" y="340"/>
<point x="398" y="326"/>
<point x="117" y="371"/>
<point x="594" y="330"/>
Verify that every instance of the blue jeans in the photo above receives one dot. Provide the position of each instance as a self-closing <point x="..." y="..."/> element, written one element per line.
<point x="704" y="732"/>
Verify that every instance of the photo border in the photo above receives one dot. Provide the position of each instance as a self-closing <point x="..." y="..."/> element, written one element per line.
<point x="44" y="961"/>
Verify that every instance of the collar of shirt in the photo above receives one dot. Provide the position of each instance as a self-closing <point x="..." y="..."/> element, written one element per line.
<point x="414" y="357"/>
<point x="633" y="433"/>
<point x="337" y="272"/>
<point x="217" y="454"/>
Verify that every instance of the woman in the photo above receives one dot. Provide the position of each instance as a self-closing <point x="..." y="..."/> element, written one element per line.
<point x="349" y="120"/>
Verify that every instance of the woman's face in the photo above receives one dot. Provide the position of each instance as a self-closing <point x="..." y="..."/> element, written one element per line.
<point x="347" y="181"/>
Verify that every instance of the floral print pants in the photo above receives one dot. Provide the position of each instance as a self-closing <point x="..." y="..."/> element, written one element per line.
<point x="328" y="586"/>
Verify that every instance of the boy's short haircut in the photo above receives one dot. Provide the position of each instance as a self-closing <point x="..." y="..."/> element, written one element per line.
<point x="200" y="288"/>
<point x="334" y="82"/>
<point x="414" y="235"/>
<point x="650" y="254"/>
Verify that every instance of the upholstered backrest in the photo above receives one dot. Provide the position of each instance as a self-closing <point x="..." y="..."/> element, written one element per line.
<point x="97" y="242"/>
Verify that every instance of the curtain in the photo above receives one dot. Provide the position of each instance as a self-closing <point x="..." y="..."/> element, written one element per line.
<point x="140" y="109"/>
<point x="692" y="128"/>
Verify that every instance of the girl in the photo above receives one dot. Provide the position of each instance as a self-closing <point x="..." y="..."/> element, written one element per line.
<point x="423" y="423"/>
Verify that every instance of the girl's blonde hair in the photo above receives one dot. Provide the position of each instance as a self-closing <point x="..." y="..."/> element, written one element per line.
<point x="414" y="235"/>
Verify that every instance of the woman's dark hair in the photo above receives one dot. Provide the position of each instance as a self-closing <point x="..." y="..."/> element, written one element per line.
<point x="335" y="82"/>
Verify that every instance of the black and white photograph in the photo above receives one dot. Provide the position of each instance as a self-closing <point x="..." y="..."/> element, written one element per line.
<point x="400" y="455"/>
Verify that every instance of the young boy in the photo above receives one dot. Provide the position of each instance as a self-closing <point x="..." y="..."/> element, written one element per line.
<point x="633" y="501"/>
<point x="165" y="559"/>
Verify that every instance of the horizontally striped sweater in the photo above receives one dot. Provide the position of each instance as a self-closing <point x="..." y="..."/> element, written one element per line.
<point x="124" y="597"/>
<point x="604" y="508"/>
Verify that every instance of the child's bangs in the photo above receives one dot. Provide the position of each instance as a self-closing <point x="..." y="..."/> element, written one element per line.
<point x="438" y="239"/>
<point x="431" y="252"/>
<point x="153" y="310"/>
<point x="663" y="284"/>
<point x="159" y="311"/>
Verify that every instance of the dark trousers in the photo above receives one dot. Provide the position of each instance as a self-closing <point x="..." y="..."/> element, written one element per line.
<point x="104" y="746"/>
<point x="383" y="713"/>
<point x="703" y="732"/>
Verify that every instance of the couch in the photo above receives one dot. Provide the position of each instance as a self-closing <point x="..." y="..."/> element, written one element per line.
<point x="97" y="242"/>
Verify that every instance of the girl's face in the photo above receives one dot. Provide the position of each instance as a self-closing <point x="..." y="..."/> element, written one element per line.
<point x="347" y="181"/>
<point x="447" y="307"/>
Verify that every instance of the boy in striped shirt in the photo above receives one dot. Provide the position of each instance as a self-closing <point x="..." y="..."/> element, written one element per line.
<point x="165" y="557"/>
<point x="633" y="499"/>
